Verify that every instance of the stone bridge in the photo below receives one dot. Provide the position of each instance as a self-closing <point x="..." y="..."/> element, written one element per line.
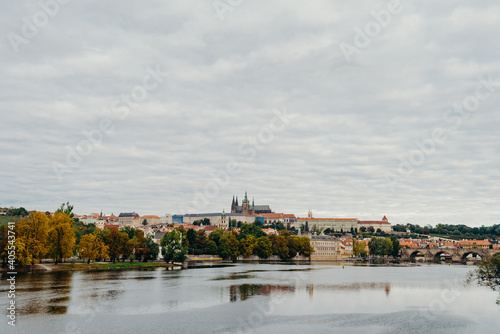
<point x="434" y="254"/>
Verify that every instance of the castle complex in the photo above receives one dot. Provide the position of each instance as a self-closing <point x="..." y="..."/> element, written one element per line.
<point x="247" y="209"/>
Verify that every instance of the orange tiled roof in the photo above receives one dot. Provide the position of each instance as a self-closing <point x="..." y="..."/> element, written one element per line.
<point x="474" y="243"/>
<point x="271" y="215"/>
<point x="336" y="219"/>
<point x="372" y="222"/>
<point x="111" y="226"/>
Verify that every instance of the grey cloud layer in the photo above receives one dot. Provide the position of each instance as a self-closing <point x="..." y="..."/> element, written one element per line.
<point x="354" y="121"/>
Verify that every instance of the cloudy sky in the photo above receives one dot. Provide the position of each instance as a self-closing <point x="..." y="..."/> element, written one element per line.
<point x="348" y="108"/>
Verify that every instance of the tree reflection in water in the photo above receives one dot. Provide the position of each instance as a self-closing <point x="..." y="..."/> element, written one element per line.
<point x="487" y="274"/>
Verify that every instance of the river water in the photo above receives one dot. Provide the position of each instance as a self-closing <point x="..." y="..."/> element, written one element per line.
<point x="254" y="298"/>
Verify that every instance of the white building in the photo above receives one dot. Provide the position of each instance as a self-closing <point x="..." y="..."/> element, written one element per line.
<point x="383" y="225"/>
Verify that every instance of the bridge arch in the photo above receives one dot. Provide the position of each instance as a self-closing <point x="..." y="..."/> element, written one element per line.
<point x="414" y="253"/>
<point x="437" y="255"/>
<point x="467" y="252"/>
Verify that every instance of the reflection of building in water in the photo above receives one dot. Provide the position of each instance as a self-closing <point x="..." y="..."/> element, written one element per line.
<point x="387" y="289"/>
<point x="310" y="288"/>
<point x="244" y="291"/>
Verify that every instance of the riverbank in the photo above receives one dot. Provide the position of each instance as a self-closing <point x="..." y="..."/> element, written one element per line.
<point x="94" y="266"/>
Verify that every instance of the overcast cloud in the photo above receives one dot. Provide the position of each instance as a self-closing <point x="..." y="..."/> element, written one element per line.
<point x="350" y="124"/>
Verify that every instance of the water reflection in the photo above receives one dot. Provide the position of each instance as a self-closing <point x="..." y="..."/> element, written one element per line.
<point x="44" y="293"/>
<point x="319" y="299"/>
<point x="233" y="277"/>
<point x="245" y="291"/>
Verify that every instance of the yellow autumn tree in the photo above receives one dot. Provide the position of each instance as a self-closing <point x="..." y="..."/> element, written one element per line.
<point x="61" y="236"/>
<point x="32" y="238"/>
<point x="92" y="247"/>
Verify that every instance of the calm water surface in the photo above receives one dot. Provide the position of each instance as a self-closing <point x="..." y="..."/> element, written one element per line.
<point x="255" y="298"/>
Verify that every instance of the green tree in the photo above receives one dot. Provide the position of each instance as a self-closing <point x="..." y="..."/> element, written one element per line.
<point x="154" y="248"/>
<point x="375" y="246"/>
<point x="216" y="235"/>
<point x="67" y="209"/>
<point x="22" y="212"/>
<point x="201" y="239"/>
<point x="174" y="248"/>
<point x="487" y="274"/>
<point x="263" y="247"/>
<point x="127" y="248"/>
<point x="305" y="246"/>
<point x="211" y="248"/>
<point x="250" y="229"/>
<point x="191" y="236"/>
<point x="395" y="246"/>
<point x="247" y="245"/>
<point x="280" y="246"/>
<point x="293" y="244"/>
<point x="280" y="226"/>
<point x="234" y="245"/>
<point x="141" y="251"/>
<point x="115" y="243"/>
<point x="82" y="229"/>
<point x="386" y="246"/>
<point x="359" y="248"/>
<point x="224" y="247"/>
<point x="4" y="233"/>
<point x="131" y="232"/>
<point x="258" y="223"/>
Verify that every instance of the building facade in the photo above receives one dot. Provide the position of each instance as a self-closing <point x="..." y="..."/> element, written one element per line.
<point x="326" y="248"/>
<point x="382" y="225"/>
<point x="334" y="224"/>
<point x="127" y="218"/>
<point x="150" y="220"/>
<point x="219" y="219"/>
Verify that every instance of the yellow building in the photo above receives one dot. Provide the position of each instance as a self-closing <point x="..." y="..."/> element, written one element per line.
<point x="469" y="244"/>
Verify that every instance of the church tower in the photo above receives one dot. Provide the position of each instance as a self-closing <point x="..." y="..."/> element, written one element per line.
<point x="245" y="205"/>
<point x="223" y="220"/>
<point x="233" y="206"/>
